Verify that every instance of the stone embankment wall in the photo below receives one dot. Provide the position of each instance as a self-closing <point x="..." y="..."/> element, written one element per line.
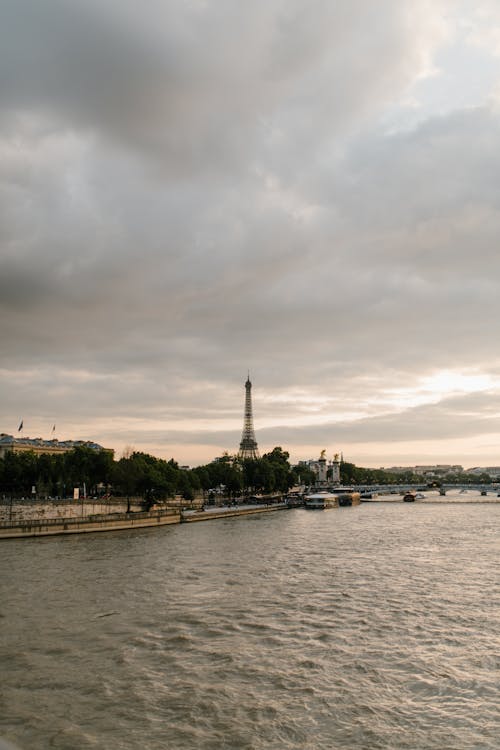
<point x="107" y="522"/>
<point x="180" y="502"/>
<point x="32" y="510"/>
<point x="18" y="512"/>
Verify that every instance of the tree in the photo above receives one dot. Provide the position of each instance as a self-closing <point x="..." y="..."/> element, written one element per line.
<point x="185" y="487"/>
<point x="203" y="476"/>
<point x="234" y="482"/>
<point x="250" y="478"/>
<point x="126" y="477"/>
<point x="302" y="474"/>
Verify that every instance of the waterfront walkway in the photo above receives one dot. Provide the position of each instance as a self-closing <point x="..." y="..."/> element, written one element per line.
<point x="224" y="511"/>
<point x="122" y="521"/>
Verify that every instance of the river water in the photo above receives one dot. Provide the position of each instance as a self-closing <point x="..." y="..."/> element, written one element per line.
<point x="368" y="627"/>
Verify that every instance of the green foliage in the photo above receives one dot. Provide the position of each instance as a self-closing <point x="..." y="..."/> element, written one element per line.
<point x="281" y="475"/>
<point x="302" y="475"/>
<point x="151" y="478"/>
<point x="141" y="474"/>
<point x="271" y="473"/>
<point x="55" y="474"/>
<point x="19" y="473"/>
<point x="157" y="479"/>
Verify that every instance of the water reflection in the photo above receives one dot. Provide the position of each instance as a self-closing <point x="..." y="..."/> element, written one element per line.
<point x="368" y="627"/>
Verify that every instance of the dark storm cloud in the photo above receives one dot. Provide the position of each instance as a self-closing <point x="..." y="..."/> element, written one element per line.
<point x="191" y="189"/>
<point x="206" y="81"/>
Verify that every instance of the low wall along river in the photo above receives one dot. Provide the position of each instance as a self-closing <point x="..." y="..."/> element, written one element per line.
<point x="35" y="510"/>
<point x="33" y="519"/>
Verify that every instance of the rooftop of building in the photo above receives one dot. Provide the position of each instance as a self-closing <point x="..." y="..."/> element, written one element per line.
<point x="6" y="440"/>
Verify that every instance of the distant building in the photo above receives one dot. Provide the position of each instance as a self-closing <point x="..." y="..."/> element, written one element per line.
<point x="427" y="471"/>
<point x="492" y="471"/>
<point x="327" y="472"/>
<point x="8" y="443"/>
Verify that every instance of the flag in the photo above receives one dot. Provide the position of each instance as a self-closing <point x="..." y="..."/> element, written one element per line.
<point x="54" y="429"/>
<point x="20" y="426"/>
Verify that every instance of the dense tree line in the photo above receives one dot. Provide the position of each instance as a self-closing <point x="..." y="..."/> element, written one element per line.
<point x="140" y="474"/>
<point x="156" y="479"/>
<point x="55" y="475"/>
<point x="352" y="474"/>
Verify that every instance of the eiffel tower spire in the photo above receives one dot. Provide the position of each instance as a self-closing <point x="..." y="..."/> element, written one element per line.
<point x="248" y="445"/>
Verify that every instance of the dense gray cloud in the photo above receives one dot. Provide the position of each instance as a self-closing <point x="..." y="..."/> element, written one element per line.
<point x="195" y="189"/>
<point x="208" y="82"/>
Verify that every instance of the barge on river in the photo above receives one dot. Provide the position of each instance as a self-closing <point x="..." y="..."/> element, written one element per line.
<point x="339" y="497"/>
<point x="321" y="501"/>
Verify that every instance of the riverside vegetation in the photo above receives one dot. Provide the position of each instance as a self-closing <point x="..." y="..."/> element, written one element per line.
<point x="155" y="479"/>
<point x="140" y="474"/>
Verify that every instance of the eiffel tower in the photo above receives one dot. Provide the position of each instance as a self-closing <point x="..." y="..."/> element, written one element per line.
<point x="248" y="445"/>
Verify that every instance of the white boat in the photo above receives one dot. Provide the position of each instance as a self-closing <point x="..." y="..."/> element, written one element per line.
<point x="333" y="498"/>
<point x="347" y="496"/>
<point x="409" y="497"/>
<point x="367" y="496"/>
<point x="321" y="501"/>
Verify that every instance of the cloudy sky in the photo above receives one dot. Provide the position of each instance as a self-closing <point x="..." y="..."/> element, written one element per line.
<point x="306" y="190"/>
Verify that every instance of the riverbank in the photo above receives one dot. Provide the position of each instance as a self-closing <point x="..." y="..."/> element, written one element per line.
<point x="108" y="522"/>
<point x="210" y="513"/>
<point x="122" y="521"/>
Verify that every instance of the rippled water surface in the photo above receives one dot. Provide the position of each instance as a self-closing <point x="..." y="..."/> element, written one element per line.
<point x="369" y="627"/>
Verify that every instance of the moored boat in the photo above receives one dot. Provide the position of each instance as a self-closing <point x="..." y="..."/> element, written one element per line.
<point x="347" y="496"/>
<point x="321" y="501"/>
<point x="409" y="497"/>
<point x="294" y="500"/>
<point x="338" y="497"/>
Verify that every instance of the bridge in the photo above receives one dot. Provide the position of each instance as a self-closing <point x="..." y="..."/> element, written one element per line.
<point x="490" y="489"/>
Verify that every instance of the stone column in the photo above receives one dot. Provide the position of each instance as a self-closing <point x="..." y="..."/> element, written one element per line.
<point x="336" y="469"/>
